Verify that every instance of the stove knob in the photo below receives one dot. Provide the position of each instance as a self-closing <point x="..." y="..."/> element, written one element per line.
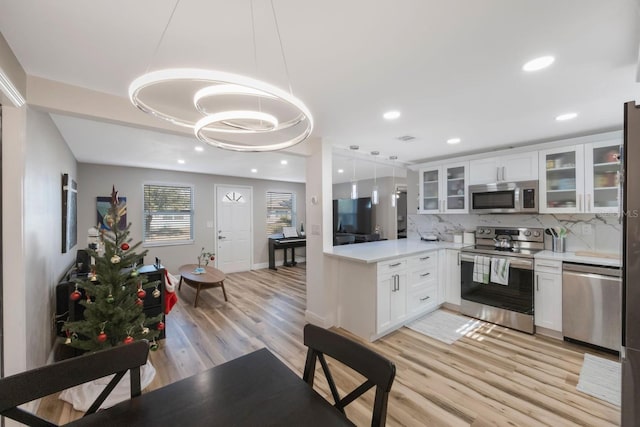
<point x="527" y="233"/>
<point x="536" y="234"/>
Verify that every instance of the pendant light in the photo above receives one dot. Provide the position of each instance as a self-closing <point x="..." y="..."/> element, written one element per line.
<point x="354" y="183"/>
<point x="264" y="117"/>
<point x="374" y="190"/>
<point x="394" y="196"/>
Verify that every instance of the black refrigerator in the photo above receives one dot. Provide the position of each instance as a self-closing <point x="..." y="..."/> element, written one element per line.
<point x="630" y="354"/>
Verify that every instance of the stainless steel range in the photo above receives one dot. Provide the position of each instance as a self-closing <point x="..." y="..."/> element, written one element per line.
<point x="497" y="276"/>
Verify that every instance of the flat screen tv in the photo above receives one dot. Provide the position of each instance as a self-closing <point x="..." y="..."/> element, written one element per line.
<point x="352" y="216"/>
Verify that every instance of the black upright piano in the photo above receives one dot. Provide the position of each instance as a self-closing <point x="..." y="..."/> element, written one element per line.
<point x="278" y="241"/>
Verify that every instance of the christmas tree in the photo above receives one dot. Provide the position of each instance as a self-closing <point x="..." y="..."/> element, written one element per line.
<point x="114" y="292"/>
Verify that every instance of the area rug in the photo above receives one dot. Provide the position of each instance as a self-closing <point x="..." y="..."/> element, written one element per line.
<point x="600" y="378"/>
<point x="444" y="326"/>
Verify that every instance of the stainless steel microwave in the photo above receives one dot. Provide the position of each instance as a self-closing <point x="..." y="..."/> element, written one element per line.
<point x="504" y="197"/>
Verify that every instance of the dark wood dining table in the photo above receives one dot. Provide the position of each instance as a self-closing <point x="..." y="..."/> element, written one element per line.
<point x="253" y="390"/>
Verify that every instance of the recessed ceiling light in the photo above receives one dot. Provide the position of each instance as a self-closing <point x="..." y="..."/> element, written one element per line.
<point x="199" y="148"/>
<point x="391" y="115"/>
<point x="538" y="63"/>
<point x="567" y="116"/>
<point x="283" y="162"/>
<point x="181" y="161"/>
<point x="453" y="140"/>
<point x="340" y="170"/>
<point x="254" y="170"/>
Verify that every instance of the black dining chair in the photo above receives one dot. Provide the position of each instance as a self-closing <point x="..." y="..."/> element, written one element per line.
<point x="27" y="386"/>
<point x="378" y="371"/>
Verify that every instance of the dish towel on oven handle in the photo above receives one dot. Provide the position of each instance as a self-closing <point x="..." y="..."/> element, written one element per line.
<point x="500" y="271"/>
<point x="481" y="266"/>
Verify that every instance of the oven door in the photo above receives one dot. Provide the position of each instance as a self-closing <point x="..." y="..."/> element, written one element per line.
<point x="516" y="296"/>
<point x="492" y="200"/>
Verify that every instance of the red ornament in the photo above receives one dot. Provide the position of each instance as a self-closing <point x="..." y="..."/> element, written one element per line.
<point x="102" y="337"/>
<point x="75" y="295"/>
<point x="128" y="339"/>
<point x="124" y="246"/>
<point x="139" y="302"/>
<point x="160" y="326"/>
<point x="141" y="293"/>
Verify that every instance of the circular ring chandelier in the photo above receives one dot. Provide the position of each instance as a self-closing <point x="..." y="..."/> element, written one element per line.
<point x="262" y="130"/>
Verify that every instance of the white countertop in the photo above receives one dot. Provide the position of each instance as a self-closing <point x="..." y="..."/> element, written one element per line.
<point x="572" y="257"/>
<point x="383" y="250"/>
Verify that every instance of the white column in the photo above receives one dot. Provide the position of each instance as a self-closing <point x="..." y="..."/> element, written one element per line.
<point x="13" y="260"/>
<point x="321" y="292"/>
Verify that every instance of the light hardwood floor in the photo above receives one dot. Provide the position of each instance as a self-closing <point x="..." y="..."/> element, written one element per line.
<point x="492" y="377"/>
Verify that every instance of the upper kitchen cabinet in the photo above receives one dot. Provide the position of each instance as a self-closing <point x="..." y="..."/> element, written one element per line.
<point x="562" y="180"/>
<point x="580" y="178"/>
<point x="509" y="168"/>
<point x="602" y="177"/>
<point x="443" y="189"/>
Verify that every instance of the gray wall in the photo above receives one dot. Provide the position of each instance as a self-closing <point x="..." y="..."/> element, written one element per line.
<point x="96" y="180"/>
<point x="47" y="158"/>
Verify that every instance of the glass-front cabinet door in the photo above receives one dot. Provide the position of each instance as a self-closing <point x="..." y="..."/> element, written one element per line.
<point x="443" y="189"/>
<point x="562" y="180"/>
<point x="430" y="190"/>
<point x="602" y="177"/>
<point x="457" y="177"/>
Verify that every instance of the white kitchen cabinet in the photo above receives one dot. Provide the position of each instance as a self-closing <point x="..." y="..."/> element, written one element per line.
<point x="422" y="283"/>
<point x="443" y="189"/>
<point x="602" y="177"/>
<point x="561" y="183"/>
<point x="580" y="178"/>
<point x="392" y="300"/>
<point x="509" y="168"/>
<point x="548" y="295"/>
<point x="452" y="280"/>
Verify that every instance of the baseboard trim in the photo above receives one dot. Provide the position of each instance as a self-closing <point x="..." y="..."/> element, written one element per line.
<point x="279" y="263"/>
<point x="317" y="320"/>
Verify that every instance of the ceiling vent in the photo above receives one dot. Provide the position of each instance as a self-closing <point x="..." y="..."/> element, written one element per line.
<point x="406" y="138"/>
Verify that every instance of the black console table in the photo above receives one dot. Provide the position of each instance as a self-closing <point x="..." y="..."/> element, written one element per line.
<point x="280" y="242"/>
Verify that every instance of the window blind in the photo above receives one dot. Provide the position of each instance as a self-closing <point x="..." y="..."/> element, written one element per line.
<point x="280" y="211"/>
<point x="168" y="213"/>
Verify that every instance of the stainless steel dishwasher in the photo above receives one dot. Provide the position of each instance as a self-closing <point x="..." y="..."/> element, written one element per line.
<point x="591" y="304"/>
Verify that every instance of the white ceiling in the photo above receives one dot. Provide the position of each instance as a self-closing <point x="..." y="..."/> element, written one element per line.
<point x="453" y="68"/>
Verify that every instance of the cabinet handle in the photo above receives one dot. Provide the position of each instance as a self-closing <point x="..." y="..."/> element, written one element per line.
<point x="579" y="202"/>
<point x="497" y="173"/>
<point x="425" y="274"/>
<point x="425" y="298"/>
<point x="397" y="280"/>
<point x="395" y="265"/>
<point x="548" y="266"/>
<point x="458" y="258"/>
<point x="503" y="174"/>
<point x="424" y="258"/>
<point x="588" y="203"/>
<point x="537" y="283"/>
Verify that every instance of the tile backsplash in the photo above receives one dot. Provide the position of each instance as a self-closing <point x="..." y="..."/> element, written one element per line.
<point x="598" y="233"/>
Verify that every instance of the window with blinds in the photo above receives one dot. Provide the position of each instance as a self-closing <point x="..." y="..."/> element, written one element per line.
<point x="281" y="211"/>
<point x="168" y="214"/>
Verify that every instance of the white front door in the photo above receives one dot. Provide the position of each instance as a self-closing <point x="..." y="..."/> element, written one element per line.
<point x="234" y="221"/>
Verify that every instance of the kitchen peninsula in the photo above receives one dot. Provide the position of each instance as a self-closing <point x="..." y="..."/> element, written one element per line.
<point x="383" y="285"/>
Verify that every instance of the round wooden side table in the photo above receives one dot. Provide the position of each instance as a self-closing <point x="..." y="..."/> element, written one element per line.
<point x="211" y="278"/>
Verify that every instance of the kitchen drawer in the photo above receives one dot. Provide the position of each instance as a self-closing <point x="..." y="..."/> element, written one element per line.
<point x="417" y="277"/>
<point x="425" y="260"/>
<point x="422" y="299"/>
<point x="548" y="266"/>
<point x="392" y="266"/>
